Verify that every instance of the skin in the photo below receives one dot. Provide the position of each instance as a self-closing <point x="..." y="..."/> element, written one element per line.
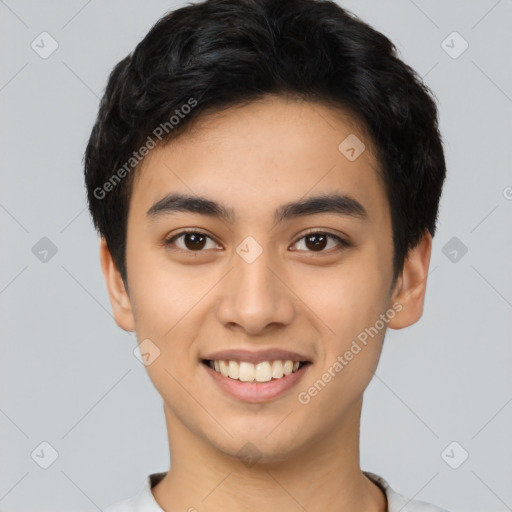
<point x="254" y="159"/>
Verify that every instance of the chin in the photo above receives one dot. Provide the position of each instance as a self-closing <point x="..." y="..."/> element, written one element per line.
<point x="259" y="450"/>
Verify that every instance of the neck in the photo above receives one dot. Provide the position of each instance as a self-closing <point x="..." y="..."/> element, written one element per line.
<point x="324" y="475"/>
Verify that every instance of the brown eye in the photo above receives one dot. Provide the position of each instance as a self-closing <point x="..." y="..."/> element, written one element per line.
<point x="193" y="241"/>
<point x="318" y="241"/>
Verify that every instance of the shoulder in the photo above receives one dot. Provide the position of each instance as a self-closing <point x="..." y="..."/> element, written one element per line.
<point x="397" y="502"/>
<point x="125" y="505"/>
<point x="136" y="503"/>
<point x="142" y="501"/>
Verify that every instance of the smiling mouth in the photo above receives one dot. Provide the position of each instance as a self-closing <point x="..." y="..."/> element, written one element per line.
<point x="264" y="371"/>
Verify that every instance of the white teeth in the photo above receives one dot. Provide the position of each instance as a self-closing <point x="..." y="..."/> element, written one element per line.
<point x="246" y="372"/>
<point x="261" y="372"/>
<point x="224" y="368"/>
<point x="277" y="370"/>
<point x="233" y="370"/>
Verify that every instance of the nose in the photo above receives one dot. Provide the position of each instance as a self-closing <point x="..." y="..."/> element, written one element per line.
<point x="255" y="296"/>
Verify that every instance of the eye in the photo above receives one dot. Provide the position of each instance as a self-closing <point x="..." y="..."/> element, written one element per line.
<point x="193" y="241"/>
<point x="317" y="241"/>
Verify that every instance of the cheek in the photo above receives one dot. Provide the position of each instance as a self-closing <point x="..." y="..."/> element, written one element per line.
<point x="162" y="293"/>
<point x="164" y="299"/>
<point x="346" y="299"/>
<point x="348" y="305"/>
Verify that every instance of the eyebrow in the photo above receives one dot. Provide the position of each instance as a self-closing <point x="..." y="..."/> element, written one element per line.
<point x="339" y="204"/>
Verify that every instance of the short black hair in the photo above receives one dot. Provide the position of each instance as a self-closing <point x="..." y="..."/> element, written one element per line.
<point x="216" y="54"/>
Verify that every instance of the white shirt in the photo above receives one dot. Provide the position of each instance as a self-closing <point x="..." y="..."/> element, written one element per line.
<point x="144" y="501"/>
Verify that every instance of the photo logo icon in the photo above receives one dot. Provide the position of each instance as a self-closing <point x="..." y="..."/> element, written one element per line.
<point x="352" y="147"/>
<point x="454" y="250"/>
<point x="44" y="455"/>
<point x="146" y="352"/>
<point x="249" y="250"/>
<point x="44" y="250"/>
<point x="454" y="45"/>
<point x="249" y="454"/>
<point x="44" y="45"/>
<point x="454" y="455"/>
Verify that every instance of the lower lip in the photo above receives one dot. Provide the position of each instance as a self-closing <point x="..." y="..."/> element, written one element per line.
<point x="256" y="392"/>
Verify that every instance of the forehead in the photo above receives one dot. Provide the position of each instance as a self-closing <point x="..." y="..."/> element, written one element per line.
<point x="257" y="156"/>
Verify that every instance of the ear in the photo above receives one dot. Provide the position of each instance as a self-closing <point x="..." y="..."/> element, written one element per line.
<point x="411" y="285"/>
<point x="119" y="300"/>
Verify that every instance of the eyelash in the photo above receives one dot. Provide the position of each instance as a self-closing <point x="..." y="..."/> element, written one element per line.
<point x="343" y="243"/>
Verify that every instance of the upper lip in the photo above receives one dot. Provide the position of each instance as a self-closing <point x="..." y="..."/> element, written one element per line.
<point x="251" y="356"/>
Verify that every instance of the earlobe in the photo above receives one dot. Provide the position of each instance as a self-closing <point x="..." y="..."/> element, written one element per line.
<point x="411" y="286"/>
<point x="119" y="300"/>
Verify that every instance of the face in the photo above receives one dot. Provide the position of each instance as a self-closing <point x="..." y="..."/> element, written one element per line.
<point x="311" y="281"/>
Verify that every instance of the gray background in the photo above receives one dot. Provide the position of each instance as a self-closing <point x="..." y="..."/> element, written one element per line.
<point x="68" y="373"/>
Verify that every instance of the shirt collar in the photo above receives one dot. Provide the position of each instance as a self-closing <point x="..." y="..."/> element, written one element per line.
<point x="144" y="501"/>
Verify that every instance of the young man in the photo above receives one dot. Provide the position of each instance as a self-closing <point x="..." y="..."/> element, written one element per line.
<point x="265" y="176"/>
